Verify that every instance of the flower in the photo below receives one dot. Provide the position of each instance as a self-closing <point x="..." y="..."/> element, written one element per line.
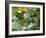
<point x="19" y="11"/>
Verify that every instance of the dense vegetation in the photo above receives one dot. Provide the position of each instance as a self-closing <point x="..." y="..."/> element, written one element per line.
<point x="25" y="18"/>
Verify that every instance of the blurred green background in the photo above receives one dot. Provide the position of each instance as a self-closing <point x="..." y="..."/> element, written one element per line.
<point x="25" y="18"/>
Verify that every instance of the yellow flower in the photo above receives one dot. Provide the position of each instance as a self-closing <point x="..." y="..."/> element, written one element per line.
<point x="22" y="9"/>
<point x="19" y="11"/>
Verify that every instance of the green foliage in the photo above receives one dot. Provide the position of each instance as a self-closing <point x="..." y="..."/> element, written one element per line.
<point x="25" y="16"/>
